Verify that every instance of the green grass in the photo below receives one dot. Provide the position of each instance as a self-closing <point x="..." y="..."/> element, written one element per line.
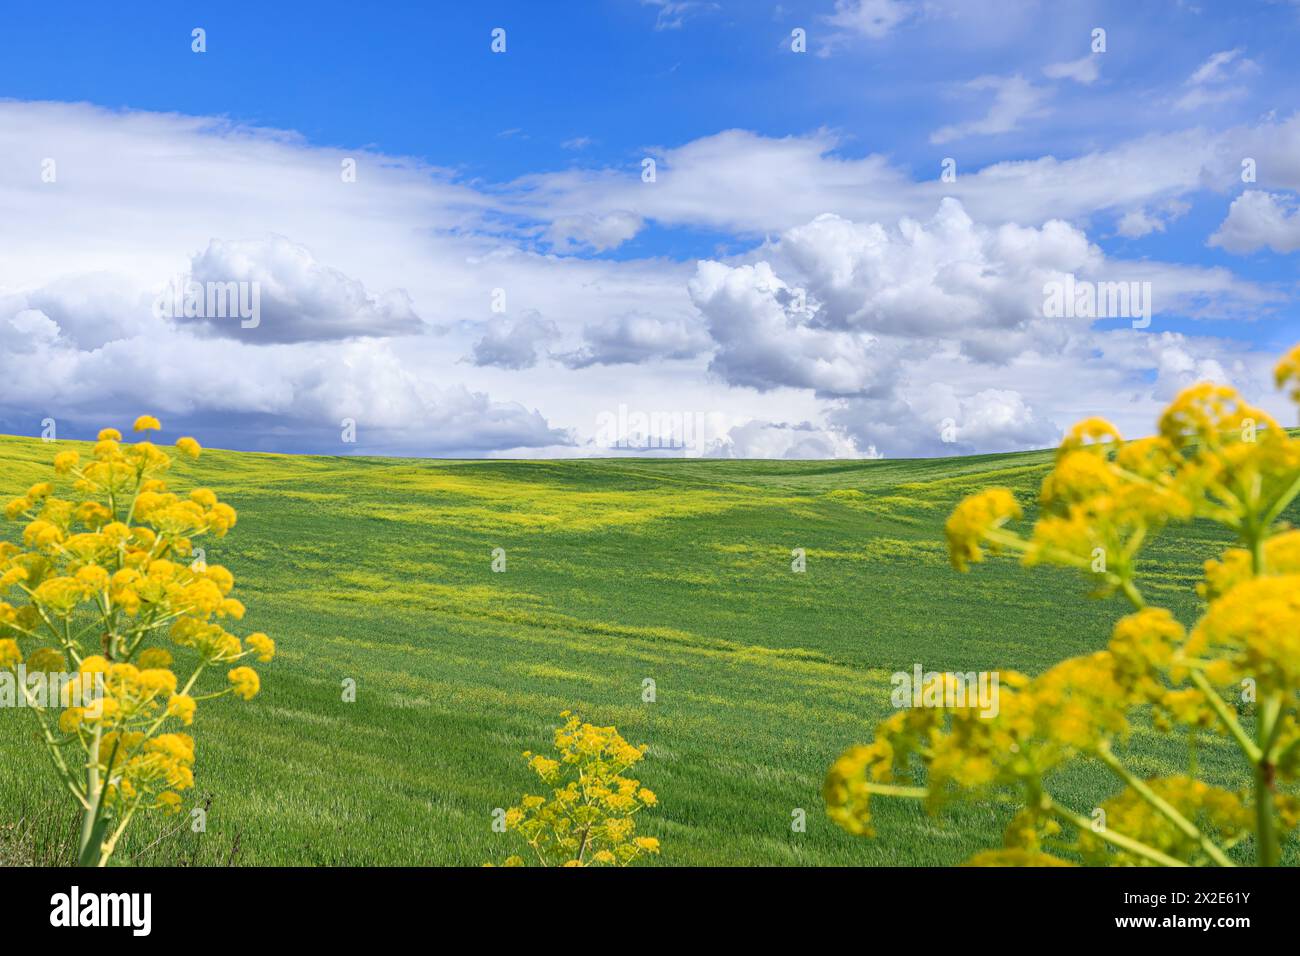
<point x="379" y="570"/>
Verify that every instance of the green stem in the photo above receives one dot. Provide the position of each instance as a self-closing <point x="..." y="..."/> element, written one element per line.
<point x="90" y="818"/>
<point x="1267" y="854"/>
<point x="1278" y="506"/>
<point x="111" y="843"/>
<point x="893" y="790"/>
<point x="52" y="746"/>
<point x="1229" y="719"/>
<point x="1269" y="851"/>
<point x="1257" y="554"/>
<point x="1111" y="837"/>
<point x="1133" y="594"/>
<point x="1166" y="809"/>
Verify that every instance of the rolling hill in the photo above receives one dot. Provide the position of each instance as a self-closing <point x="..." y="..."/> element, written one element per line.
<point x="618" y="571"/>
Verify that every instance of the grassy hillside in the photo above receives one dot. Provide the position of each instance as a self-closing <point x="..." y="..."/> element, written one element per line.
<point x="379" y="570"/>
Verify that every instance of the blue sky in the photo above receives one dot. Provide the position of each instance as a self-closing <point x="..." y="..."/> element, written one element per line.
<point x="521" y="171"/>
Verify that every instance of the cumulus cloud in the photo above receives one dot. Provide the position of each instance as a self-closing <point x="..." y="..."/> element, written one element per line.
<point x="998" y="419"/>
<point x="514" y="343"/>
<point x="635" y="338"/>
<point x="948" y="276"/>
<point x="282" y="397"/>
<point x="804" y="440"/>
<point x="1180" y="363"/>
<point x="89" y="309"/>
<point x="163" y="185"/>
<point x="596" y="232"/>
<point x="1137" y="223"/>
<point x="299" y="299"/>
<point x="764" y="342"/>
<point x="1257" y="220"/>
<point x="934" y="420"/>
<point x="858" y="312"/>
<point x="836" y="323"/>
<point x="891" y="326"/>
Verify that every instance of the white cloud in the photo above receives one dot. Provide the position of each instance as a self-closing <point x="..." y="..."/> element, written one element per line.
<point x="1015" y="99"/>
<point x="597" y="233"/>
<point x="88" y="349"/>
<point x="1257" y="220"/>
<point x="764" y="344"/>
<point x="300" y="299"/>
<point x="913" y="313"/>
<point x="907" y="328"/>
<point x="870" y="18"/>
<point x="751" y="185"/>
<point x="287" y="397"/>
<point x="1178" y="367"/>
<point x="1221" y="67"/>
<point x="1216" y="80"/>
<point x="998" y="419"/>
<point x="945" y="277"/>
<point x="1201" y="97"/>
<point x="636" y="338"/>
<point x="872" y="290"/>
<point x="935" y="421"/>
<point x="735" y="180"/>
<point x="763" y="439"/>
<point x="671" y="14"/>
<point x="1084" y="70"/>
<point x="514" y="343"/>
<point x="870" y="303"/>
<point x="89" y="309"/>
<point x="1137" y="223"/>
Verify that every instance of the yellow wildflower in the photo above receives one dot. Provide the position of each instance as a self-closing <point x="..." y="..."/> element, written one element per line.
<point x="973" y="519"/>
<point x="182" y="706"/>
<point x="244" y="682"/>
<point x="10" y="656"/>
<point x="262" y="645"/>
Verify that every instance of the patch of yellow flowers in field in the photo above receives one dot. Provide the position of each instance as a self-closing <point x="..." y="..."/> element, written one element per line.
<point x="100" y="577"/>
<point x="589" y="818"/>
<point x="1215" y="458"/>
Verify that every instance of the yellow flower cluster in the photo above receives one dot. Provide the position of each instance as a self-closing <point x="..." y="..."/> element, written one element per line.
<point x="1288" y="373"/>
<point x="1215" y="458"/>
<point x="99" y="577"/>
<point x="588" y="819"/>
<point x="974" y="522"/>
<point x="1219" y="814"/>
<point x="146" y="770"/>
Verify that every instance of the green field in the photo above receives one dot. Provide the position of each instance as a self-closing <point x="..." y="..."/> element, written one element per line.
<point x="379" y="570"/>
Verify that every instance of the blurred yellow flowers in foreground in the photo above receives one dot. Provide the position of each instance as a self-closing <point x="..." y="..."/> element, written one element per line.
<point x="1215" y="457"/>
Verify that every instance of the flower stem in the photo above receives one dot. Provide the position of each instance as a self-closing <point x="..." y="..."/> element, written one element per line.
<point x="90" y="819"/>
<point x="1166" y="809"/>
<point x="1111" y="837"/>
<point x="1216" y="703"/>
<point x="1268" y="853"/>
